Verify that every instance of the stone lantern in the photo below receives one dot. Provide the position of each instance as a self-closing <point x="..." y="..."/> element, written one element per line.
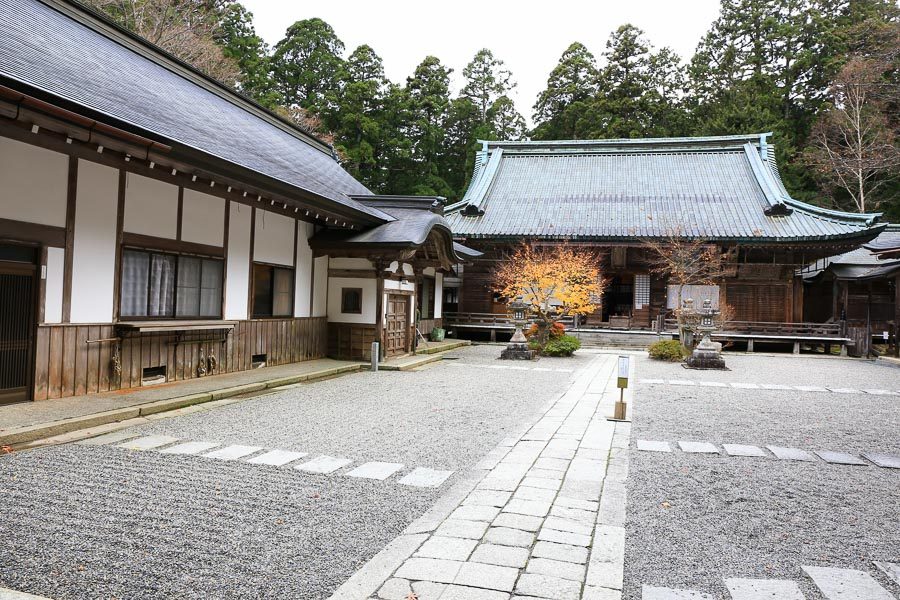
<point x="707" y="354"/>
<point x="517" y="349"/>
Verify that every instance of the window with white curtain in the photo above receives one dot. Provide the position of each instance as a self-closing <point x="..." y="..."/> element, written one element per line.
<point x="162" y="285"/>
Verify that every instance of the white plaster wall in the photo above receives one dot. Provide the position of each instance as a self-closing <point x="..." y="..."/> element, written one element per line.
<point x="392" y="284"/>
<point x="237" y="278"/>
<point x="438" y="295"/>
<point x="35" y="181"/>
<point x="303" y="276"/>
<point x="203" y="219"/>
<point x="151" y="207"/>
<point x="94" y="248"/>
<point x="350" y="263"/>
<point x="369" y="290"/>
<point x="274" y="241"/>
<point x="53" y="286"/>
<point x="320" y="287"/>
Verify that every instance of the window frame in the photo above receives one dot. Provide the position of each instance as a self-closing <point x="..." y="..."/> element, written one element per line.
<point x="252" y="308"/>
<point x="344" y="292"/>
<point x="174" y="316"/>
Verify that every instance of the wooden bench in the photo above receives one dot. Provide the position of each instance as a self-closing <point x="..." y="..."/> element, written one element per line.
<point x="825" y="334"/>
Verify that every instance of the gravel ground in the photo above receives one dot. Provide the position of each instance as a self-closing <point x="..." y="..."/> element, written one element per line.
<point x="101" y="522"/>
<point x="759" y="517"/>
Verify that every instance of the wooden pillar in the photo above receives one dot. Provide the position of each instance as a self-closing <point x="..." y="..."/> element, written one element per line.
<point x="379" y="305"/>
<point x="897" y="315"/>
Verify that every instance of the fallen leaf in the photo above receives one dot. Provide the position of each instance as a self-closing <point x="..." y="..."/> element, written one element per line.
<point x="412" y="596"/>
<point x="7" y="449"/>
<point x="666" y="504"/>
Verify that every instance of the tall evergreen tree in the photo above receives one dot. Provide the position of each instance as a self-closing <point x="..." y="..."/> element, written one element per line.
<point x="486" y="80"/>
<point x="239" y="42"/>
<point x="572" y="81"/>
<point x="307" y="64"/>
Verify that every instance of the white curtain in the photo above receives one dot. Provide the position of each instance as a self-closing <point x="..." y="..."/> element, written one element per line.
<point x="162" y="286"/>
<point x="135" y="272"/>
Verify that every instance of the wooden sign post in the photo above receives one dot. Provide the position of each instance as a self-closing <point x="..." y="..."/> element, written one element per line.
<point x="622" y="383"/>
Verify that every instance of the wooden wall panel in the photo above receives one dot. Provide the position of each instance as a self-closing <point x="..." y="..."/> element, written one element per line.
<point x="66" y="364"/>
<point x="350" y="341"/>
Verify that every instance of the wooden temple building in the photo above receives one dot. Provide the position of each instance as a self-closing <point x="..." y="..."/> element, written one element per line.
<point x="156" y="226"/>
<point x="615" y="194"/>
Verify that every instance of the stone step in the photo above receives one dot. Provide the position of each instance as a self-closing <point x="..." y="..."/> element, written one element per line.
<point x="846" y="584"/>
<point x="650" y="592"/>
<point x="763" y="589"/>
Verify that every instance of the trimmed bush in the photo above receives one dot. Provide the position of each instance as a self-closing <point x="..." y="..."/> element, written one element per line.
<point x="565" y="345"/>
<point x="670" y="350"/>
<point x="555" y="330"/>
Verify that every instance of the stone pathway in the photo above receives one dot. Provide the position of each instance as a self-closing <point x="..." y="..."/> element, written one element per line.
<point x="257" y="455"/>
<point x="832" y="583"/>
<point x="542" y="515"/>
<point x="768" y="386"/>
<point x="887" y="461"/>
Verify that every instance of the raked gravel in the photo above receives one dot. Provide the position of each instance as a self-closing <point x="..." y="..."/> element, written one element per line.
<point x="101" y="521"/>
<point x="694" y="520"/>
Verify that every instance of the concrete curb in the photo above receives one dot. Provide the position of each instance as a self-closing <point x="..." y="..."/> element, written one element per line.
<point x="453" y="346"/>
<point x="30" y="433"/>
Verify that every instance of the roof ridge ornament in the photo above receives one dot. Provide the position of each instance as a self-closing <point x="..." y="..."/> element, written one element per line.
<point x="778" y="210"/>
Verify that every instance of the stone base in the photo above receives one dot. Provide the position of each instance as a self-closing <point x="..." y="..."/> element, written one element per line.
<point x="705" y="359"/>
<point x="518" y="352"/>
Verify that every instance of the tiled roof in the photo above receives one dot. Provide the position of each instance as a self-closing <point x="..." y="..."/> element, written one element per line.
<point x="58" y="48"/>
<point x="861" y="263"/>
<point x="722" y="188"/>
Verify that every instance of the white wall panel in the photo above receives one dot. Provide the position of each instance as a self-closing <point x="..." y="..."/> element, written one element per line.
<point x="350" y="263"/>
<point x="320" y="286"/>
<point x="34" y="183"/>
<point x="303" y="277"/>
<point x="237" y="278"/>
<point x="335" y="284"/>
<point x="202" y="219"/>
<point x="274" y="241"/>
<point x="151" y="207"/>
<point x="53" y="286"/>
<point x="94" y="249"/>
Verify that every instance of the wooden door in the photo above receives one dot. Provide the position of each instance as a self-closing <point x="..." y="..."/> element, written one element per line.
<point x="396" y="325"/>
<point x="17" y="330"/>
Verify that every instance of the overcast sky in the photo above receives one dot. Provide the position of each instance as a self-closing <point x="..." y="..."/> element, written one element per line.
<point x="528" y="37"/>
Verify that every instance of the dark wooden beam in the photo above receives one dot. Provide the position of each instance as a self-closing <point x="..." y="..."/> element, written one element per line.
<point x="20" y="231"/>
<point x="150" y="242"/>
<point x="71" y="195"/>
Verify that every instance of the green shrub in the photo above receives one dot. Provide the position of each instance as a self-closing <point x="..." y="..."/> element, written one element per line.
<point x="670" y="350"/>
<point x="565" y="345"/>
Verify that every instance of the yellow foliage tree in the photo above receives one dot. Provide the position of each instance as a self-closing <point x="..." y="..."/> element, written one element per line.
<point x="555" y="281"/>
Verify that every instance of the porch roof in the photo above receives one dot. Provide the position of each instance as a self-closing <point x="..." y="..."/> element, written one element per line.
<point x="71" y="55"/>
<point x="860" y="264"/>
<point x="717" y="188"/>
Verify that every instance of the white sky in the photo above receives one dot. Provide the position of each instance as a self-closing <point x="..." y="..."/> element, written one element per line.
<point x="529" y="37"/>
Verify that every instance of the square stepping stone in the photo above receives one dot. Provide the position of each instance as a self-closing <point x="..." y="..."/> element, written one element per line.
<point x="743" y="450"/>
<point x="375" y="470"/>
<point x="717" y="384"/>
<point x="763" y="589"/>
<point x="791" y="454"/>
<point x="810" y="388"/>
<point x="844" y="391"/>
<point x="277" y="458"/>
<point x="840" y="458"/>
<point x="323" y="464"/>
<point x="698" y="448"/>
<point x="887" y="461"/>
<point x="449" y="548"/>
<point x="506" y="556"/>
<point x="108" y="438"/>
<point x="653" y="446"/>
<point x="774" y="386"/>
<point x="745" y="386"/>
<point x="837" y="584"/>
<point x="649" y="592"/>
<point x="148" y="442"/>
<point x="681" y="382"/>
<point x="892" y="570"/>
<point x="482" y="575"/>
<point x="190" y="448"/>
<point x="422" y="477"/>
<point x="233" y="452"/>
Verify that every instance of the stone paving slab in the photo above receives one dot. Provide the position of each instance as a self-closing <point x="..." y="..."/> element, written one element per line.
<point x="653" y="446"/>
<point x="506" y="556"/>
<point x="483" y="575"/>
<point x="718" y="384"/>
<point x="649" y="592"/>
<point x="148" y="442"/>
<point x="844" y="390"/>
<point x="462" y="529"/>
<point x="763" y="589"/>
<point x="323" y="464"/>
<point x="8" y="594"/>
<point x="233" y="452"/>
<point x="846" y="584"/>
<point x="562" y="552"/>
<point x="277" y="458"/>
<point x="840" y="458"/>
<point x="791" y="454"/>
<point x="745" y="386"/>
<point x="429" y="569"/>
<point x="888" y="461"/>
<point x="892" y="570"/>
<point x="422" y="477"/>
<point x="810" y="388"/>
<point x="375" y="470"/>
<point x="774" y="386"/>
<point x="190" y="448"/>
<point x="459" y="592"/>
<point x="546" y="586"/>
<point x="698" y="447"/>
<point x="108" y="438"/>
<point x="555" y="568"/>
<point x="448" y="548"/>
<point x="743" y="450"/>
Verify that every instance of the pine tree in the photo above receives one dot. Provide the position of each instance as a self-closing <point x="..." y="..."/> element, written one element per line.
<point x="306" y="65"/>
<point x="486" y="81"/>
<point x="239" y="42"/>
<point x="572" y="81"/>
